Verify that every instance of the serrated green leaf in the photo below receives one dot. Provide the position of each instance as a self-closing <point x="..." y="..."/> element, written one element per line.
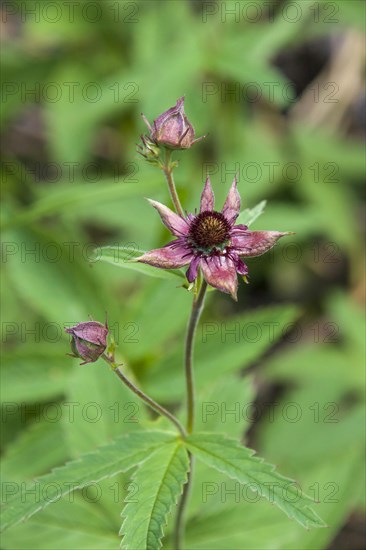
<point x="123" y="454"/>
<point x="123" y="256"/>
<point x="237" y="524"/>
<point x="223" y="406"/>
<point x="238" y="462"/>
<point x="159" y="482"/>
<point x="249" y="215"/>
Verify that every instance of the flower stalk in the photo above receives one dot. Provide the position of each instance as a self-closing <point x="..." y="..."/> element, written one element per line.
<point x="197" y="308"/>
<point x="159" y="409"/>
<point x="209" y="243"/>
<point x="179" y="527"/>
<point x="167" y="168"/>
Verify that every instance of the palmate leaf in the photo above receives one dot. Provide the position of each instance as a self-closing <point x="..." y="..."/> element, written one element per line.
<point x="122" y="256"/>
<point x="159" y="482"/>
<point x="123" y="454"/>
<point x="230" y="457"/>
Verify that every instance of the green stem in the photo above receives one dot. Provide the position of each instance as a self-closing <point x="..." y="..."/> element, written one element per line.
<point x="168" y="172"/>
<point x="197" y="308"/>
<point x="149" y="402"/>
<point x="180" y="519"/>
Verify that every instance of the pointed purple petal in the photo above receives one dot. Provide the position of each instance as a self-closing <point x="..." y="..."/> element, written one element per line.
<point x="91" y="331"/>
<point x="231" y="207"/>
<point x="177" y="225"/>
<point x="172" y="132"/>
<point x="193" y="269"/>
<point x="171" y="256"/>
<point x="88" y="351"/>
<point x="180" y="104"/>
<point x="241" y="267"/>
<point x="220" y="272"/>
<point x="254" y="243"/>
<point x="240" y="227"/>
<point x="207" y="197"/>
<point x="177" y="109"/>
<point x="186" y="140"/>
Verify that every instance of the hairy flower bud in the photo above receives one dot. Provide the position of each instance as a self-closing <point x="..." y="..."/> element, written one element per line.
<point x="89" y="340"/>
<point x="172" y="129"/>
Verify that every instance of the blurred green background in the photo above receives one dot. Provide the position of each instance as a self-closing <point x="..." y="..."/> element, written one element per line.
<point x="279" y="87"/>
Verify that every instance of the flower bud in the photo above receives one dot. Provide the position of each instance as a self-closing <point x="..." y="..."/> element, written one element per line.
<point x="89" y="340"/>
<point x="172" y="129"/>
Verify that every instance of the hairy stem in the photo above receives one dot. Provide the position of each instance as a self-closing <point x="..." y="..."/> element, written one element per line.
<point x="180" y="519"/>
<point x="168" y="172"/>
<point x="197" y="308"/>
<point x="149" y="402"/>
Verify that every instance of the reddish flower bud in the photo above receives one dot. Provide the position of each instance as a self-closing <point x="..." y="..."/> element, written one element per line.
<point x="89" y="340"/>
<point x="172" y="129"/>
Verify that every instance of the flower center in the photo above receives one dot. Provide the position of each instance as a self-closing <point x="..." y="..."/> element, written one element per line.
<point x="209" y="230"/>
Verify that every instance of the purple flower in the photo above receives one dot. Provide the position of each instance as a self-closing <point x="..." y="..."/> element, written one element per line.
<point x="172" y="129"/>
<point x="89" y="340"/>
<point x="210" y="241"/>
